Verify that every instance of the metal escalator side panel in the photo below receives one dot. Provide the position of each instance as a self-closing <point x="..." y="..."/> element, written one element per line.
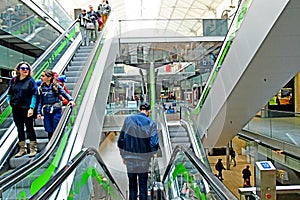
<point x="234" y="27"/>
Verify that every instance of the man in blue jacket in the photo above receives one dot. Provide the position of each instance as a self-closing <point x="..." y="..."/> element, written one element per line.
<point x="138" y="142"/>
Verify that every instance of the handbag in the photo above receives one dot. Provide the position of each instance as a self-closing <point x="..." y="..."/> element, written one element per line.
<point x="90" y="26"/>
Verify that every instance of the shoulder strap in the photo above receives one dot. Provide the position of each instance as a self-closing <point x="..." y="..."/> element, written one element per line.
<point x="13" y="80"/>
<point x="40" y="90"/>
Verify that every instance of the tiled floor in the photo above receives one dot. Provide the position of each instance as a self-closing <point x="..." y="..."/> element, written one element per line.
<point x="233" y="177"/>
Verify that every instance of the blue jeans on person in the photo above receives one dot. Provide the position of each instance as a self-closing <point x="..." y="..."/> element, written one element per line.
<point x="51" y="120"/>
<point x="85" y="36"/>
<point x="137" y="171"/>
<point x="133" y="186"/>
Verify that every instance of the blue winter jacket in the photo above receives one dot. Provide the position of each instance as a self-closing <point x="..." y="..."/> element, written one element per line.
<point x="48" y="97"/>
<point x="138" y="138"/>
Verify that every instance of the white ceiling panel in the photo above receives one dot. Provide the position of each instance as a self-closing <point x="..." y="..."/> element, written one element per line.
<point x="159" y="9"/>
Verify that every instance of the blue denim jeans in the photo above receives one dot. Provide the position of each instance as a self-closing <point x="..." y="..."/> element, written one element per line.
<point x="51" y="120"/>
<point x="137" y="172"/>
<point x="142" y="178"/>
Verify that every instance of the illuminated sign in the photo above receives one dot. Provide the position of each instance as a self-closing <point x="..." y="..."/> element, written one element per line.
<point x="265" y="165"/>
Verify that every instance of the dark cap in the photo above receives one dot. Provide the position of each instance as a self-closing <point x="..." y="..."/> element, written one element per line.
<point x="145" y="106"/>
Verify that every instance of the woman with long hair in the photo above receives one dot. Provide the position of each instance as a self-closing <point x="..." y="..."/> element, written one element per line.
<point x="50" y="103"/>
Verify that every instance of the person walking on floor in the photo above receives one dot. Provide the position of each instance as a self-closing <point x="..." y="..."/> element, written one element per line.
<point x="138" y="142"/>
<point x="246" y="174"/>
<point x="50" y="103"/>
<point x="21" y="96"/>
<point x="220" y="167"/>
<point x="232" y="156"/>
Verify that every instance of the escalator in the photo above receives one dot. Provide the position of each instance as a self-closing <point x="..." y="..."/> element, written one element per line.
<point x="249" y="69"/>
<point x="185" y="178"/>
<point x="76" y="66"/>
<point x="29" y="178"/>
<point x="72" y="72"/>
<point x="178" y="135"/>
<point x="64" y="46"/>
<point x="110" y="155"/>
<point x="48" y="60"/>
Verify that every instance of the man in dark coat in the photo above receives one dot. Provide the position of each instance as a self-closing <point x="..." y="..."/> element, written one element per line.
<point x="220" y="167"/>
<point x="138" y="142"/>
<point x="246" y="173"/>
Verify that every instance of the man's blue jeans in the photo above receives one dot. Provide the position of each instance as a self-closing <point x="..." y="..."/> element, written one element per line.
<point x="137" y="171"/>
<point x="133" y="187"/>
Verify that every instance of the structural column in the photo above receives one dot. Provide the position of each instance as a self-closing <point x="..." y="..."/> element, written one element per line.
<point x="152" y="88"/>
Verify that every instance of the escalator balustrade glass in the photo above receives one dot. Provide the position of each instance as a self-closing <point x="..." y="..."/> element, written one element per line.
<point x="22" y="22"/>
<point x="90" y="181"/>
<point x="188" y="178"/>
<point x="56" y="12"/>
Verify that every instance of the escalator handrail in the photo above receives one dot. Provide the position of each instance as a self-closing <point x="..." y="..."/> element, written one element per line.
<point x="63" y="174"/>
<point x="165" y="137"/>
<point x="214" y="182"/>
<point x="198" y="149"/>
<point x="13" y="178"/>
<point x="26" y="168"/>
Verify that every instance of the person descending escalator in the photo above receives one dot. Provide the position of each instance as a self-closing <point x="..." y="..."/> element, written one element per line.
<point x="21" y="96"/>
<point x="50" y="104"/>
